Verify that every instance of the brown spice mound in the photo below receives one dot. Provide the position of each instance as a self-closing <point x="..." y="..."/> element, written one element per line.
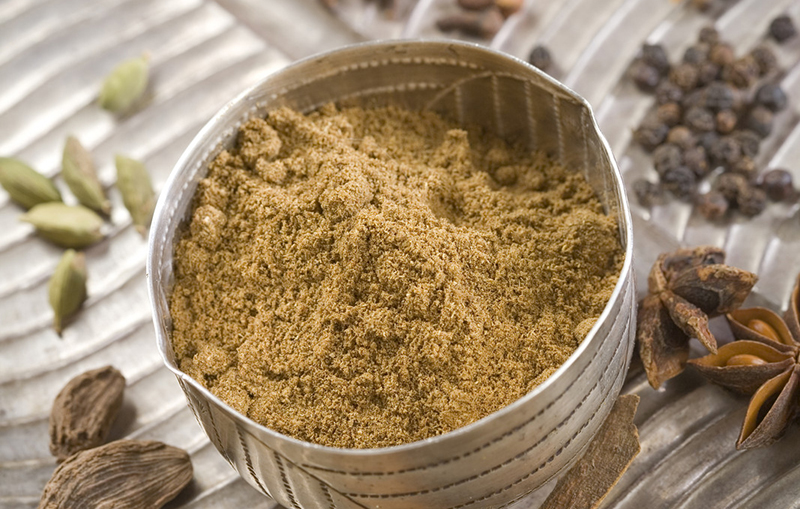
<point x="367" y="278"/>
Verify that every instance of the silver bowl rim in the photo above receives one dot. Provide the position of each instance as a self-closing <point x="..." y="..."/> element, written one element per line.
<point x="196" y="145"/>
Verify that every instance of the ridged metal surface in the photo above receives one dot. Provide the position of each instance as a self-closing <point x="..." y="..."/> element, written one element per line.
<point x="52" y="56"/>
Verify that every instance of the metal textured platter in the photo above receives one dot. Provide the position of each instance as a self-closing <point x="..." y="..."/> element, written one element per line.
<point x="53" y="54"/>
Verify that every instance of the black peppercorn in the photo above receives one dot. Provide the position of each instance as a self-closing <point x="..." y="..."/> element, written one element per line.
<point x="746" y="167"/>
<point x="707" y="72"/>
<point x="778" y="184"/>
<point x="749" y="141"/>
<point x="669" y="113"/>
<point x="540" y="58"/>
<point x="646" y="77"/>
<point x="726" y="121"/>
<point x="681" y="136"/>
<point x="694" y="98"/>
<point x="648" y="193"/>
<point x="707" y="140"/>
<point x="656" y="56"/>
<point x="680" y="181"/>
<point x="771" y="96"/>
<point x="651" y="133"/>
<point x="667" y="157"/>
<point x="684" y="75"/>
<point x="696" y="160"/>
<point x="782" y="28"/>
<point x="719" y="96"/>
<point x="730" y="185"/>
<point x="696" y="53"/>
<point x="765" y="58"/>
<point x="751" y="200"/>
<point x="722" y="54"/>
<point x="726" y="151"/>
<point x="699" y="119"/>
<point x="709" y="35"/>
<point x="668" y="92"/>
<point x="759" y="120"/>
<point x="712" y="205"/>
<point x="742" y="73"/>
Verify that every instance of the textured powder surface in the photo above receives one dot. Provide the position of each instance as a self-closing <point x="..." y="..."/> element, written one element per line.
<point x="367" y="278"/>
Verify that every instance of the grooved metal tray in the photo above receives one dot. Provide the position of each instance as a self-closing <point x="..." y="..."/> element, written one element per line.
<point x="53" y="53"/>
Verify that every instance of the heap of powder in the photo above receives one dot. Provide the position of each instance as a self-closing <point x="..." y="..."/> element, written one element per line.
<point x="367" y="278"/>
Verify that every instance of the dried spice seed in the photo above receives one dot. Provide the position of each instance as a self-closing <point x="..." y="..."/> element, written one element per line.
<point x="730" y="185"/>
<point x="771" y="96"/>
<point x="693" y="99"/>
<point x="656" y="56"/>
<point x="681" y="136"/>
<point x="707" y="73"/>
<point x="746" y="167"/>
<point x="782" y="28"/>
<point x="651" y="133"/>
<point x="699" y="119"/>
<point x="668" y="92"/>
<point x="669" y="114"/>
<point x="719" y="96"/>
<point x="726" y="151"/>
<point x="680" y="181"/>
<point x="84" y="411"/>
<point x="685" y="76"/>
<point x="124" y="85"/>
<point x="484" y="24"/>
<point x="608" y="456"/>
<point x="712" y="205"/>
<point x="707" y="140"/>
<point x="540" y="58"/>
<point x="667" y="157"/>
<point x="696" y="53"/>
<point x="508" y="7"/>
<point x="685" y="289"/>
<point x="25" y="185"/>
<point x="765" y="58"/>
<point x="778" y="184"/>
<point x="67" y="288"/>
<point x="646" y="77"/>
<point x="722" y="54"/>
<point x="67" y="226"/>
<point x="749" y="141"/>
<point x="759" y="120"/>
<point x="696" y="160"/>
<point x="80" y="176"/>
<point x="742" y="73"/>
<point x="708" y="34"/>
<point x="726" y="121"/>
<point x="762" y="362"/>
<point x="751" y="200"/>
<point x="125" y="474"/>
<point x="133" y="182"/>
<point x="648" y="193"/>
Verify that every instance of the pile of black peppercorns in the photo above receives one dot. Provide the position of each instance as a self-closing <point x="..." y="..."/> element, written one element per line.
<point x="712" y="111"/>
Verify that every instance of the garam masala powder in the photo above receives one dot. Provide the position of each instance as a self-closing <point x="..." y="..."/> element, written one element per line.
<point x="371" y="277"/>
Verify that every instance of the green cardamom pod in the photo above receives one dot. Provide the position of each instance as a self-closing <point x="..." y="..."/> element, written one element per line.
<point x="79" y="173"/>
<point x="25" y="185"/>
<point x="137" y="192"/>
<point x="68" y="226"/>
<point x="67" y="287"/>
<point x="126" y="83"/>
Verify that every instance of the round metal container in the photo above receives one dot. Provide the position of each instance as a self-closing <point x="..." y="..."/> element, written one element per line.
<point x="500" y="458"/>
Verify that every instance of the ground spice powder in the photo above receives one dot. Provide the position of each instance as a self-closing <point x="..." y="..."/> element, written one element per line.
<point x="367" y="278"/>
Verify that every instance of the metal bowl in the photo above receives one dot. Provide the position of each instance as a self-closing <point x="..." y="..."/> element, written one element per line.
<point x="500" y="458"/>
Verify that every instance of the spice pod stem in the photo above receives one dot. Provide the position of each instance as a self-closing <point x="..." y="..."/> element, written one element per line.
<point x="25" y="185"/>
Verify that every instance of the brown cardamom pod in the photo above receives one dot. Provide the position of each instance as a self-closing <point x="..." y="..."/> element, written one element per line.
<point x="125" y="474"/>
<point x="84" y="411"/>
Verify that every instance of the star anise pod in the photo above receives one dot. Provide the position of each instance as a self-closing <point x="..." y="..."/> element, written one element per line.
<point x="763" y="361"/>
<point x="685" y="288"/>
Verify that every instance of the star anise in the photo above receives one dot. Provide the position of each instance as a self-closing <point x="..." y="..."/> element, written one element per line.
<point x="763" y="361"/>
<point x="685" y="288"/>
